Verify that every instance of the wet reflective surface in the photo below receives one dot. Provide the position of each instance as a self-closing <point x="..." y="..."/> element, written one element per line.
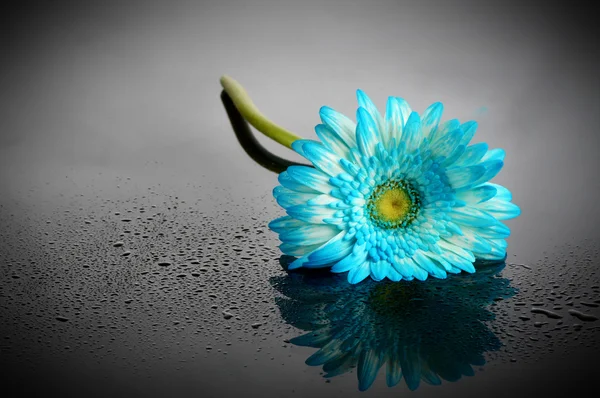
<point x="136" y="258"/>
<point x="419" y="332"/>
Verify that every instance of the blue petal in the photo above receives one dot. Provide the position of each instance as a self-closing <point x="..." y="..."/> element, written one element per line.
<point x="450" y="247"/>
<point x="286" y="197"/>
<point x="470" y="241"/>
<point x="418" y="272"/>
<point x="288" y="182"/>
<point x="492" y="168"/>
<point x="323" y="200"/>
<point x="501" y="192"/>
<point x="472" y="154"/>
<point x="323" y="159"/>
<point x="353" y="260"/>
<point x="461" y="177"/>
<point x="478" y="194"/>
<point x="428" y="265"/>
<point x="341" y="124"/>
<point x="469" y="128"/>
<point x="365" y="102"/>
<point x="446" y="144"/>
<point x="281" y="224"/>
<point x="331" y="252"/>
<point x="443" y="129"/>
<point x="392" y="274"/>
<point x="496" y="231"/>
<point x="358" y="274"/>
<point x="404" y="267"/>
<point x="454" y="155"/>
<point x="431" y="118"/>
<point x="310" y="234"/>
<point x="297" y="251"/>
<point x="500" y="209"/>
<point x="379" y="270"/>
<point x="494" y="154"/>
<point x="298" y="263"/>
<point x="404" y="109"/>
<point x="411" y="134"/>
<point x="453" y="263"/>
<point x="471" y="216"/>
<point x="332" y="140"/>
<point x="498" y="252"/>
<point x="393" y="121"/>
<point x="367" y="134"/>
<point x="311" y="214"/>
<point x="298" y="145"/>
<point x="312" y="178"/>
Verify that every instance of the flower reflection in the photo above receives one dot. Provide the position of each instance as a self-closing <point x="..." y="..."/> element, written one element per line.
<point x="430" y="331"/>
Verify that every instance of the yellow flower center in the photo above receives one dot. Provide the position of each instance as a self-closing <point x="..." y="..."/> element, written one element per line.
<point x="393" y="204"/>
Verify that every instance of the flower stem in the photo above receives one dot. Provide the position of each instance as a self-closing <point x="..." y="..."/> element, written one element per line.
<point x="250" y="112"/>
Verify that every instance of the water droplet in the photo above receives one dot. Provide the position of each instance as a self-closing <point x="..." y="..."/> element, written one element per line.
<point x="546" y="312"/>
<point x="583" y="316"/>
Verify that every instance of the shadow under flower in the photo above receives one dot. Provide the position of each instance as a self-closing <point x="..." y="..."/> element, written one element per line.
<point x="422" y="331"/>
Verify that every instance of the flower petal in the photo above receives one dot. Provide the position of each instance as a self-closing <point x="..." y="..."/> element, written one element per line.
<point x="358" y="274"/>
<point x="353" y="260"/>
<point x="288" y="182"/>
<point x="471" y="216"/>
<point x="501" y="192"/>
<point x="332" y="140"/>
<point x="367" y="134"/>
<point x="341" y="124"/>
<point x="365" y="102"/>
<point x="461" y="177"/>
<point x="312" y="178"/>
<point x="311" y="214"/>
<point x="379" y="270"/>
<point x="469" y="128"/>
<point x="500" y="209"/>
<point x="431" y="118"/>
<point x="477" y="195"/>
<point x="309" y="234"/>
<point x="323" y="159"/>
<point x="286" y="197"/>
<point x="297" y="251"/>
<point x="472" y="154"/>
<point x="332" y="251"/>
<point x="425" y="262"/>
<point x="411" y="134"/>
<point x="281" y="224"/>
<point x="446" y="144"/>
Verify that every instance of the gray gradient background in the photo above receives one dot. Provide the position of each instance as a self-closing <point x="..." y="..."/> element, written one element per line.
<point x="109" y="88"/>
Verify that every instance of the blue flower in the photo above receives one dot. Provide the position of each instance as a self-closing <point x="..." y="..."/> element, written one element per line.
<point x="400" y="197"/>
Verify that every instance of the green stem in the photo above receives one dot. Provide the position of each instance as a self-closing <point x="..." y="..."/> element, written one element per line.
<point x="250" y="112"/>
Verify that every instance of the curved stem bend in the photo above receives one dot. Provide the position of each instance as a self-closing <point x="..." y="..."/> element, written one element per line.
<point x="250" y="112"/>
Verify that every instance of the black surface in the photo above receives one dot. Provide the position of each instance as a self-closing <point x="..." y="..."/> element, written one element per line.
<point x="113" y="130"/>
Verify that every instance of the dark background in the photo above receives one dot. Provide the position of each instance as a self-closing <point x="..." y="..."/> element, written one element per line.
<point x="112" y="107"/>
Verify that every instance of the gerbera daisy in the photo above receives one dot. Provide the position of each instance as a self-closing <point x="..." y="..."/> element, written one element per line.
<point x="399" y="196"/>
